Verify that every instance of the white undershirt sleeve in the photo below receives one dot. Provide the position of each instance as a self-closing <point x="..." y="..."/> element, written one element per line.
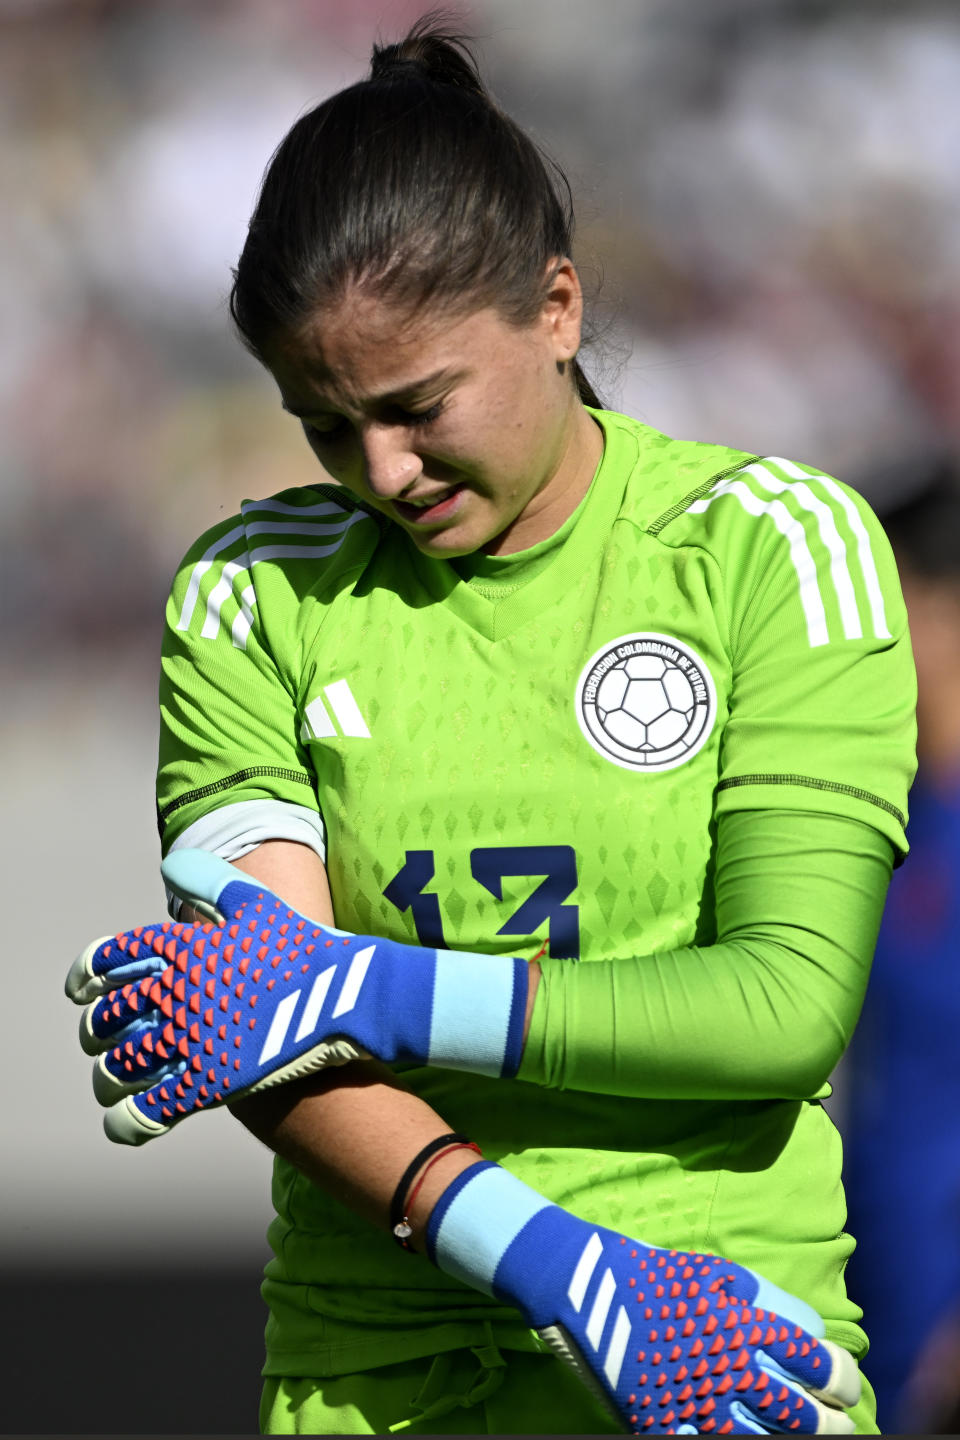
<point x="232" y="831"/>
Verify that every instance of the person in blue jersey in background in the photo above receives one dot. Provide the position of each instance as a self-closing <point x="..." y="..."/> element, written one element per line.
<point x="902" y="1128"/>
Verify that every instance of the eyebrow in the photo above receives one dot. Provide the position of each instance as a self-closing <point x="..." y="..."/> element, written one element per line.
<point x="389" y="397"/>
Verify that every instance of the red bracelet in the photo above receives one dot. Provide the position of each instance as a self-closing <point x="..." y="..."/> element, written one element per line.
<point x="403" y="1229"/>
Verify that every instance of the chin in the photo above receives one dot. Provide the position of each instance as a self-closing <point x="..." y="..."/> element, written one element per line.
<point x="445" y="546"/>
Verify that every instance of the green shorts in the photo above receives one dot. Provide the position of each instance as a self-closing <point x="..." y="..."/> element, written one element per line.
<point x="480" y="1391"/>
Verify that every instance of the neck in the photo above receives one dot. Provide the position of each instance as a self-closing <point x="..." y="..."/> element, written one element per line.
<point x="578" y="458"/>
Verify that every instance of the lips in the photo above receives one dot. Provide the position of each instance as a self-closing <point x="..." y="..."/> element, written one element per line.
<point x="427" y="510"/>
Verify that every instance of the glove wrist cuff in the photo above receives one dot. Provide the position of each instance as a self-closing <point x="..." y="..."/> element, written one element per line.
<point x="477" y="1219"/>
<point x="478" y="1012"/>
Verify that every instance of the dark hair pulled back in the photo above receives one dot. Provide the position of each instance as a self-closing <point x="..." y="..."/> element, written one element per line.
<point x="413" y="184"/>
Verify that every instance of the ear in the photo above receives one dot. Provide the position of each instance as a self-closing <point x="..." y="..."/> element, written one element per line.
<point x="562" y="312"/>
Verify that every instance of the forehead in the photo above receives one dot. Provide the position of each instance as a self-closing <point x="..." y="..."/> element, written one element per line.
<point x="363" y="347"/>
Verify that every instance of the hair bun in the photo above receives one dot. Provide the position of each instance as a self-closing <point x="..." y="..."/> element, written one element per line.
<point x="438" y="54"/>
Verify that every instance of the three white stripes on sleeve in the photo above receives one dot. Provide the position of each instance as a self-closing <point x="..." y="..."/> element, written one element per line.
<point x="799" y="489"/>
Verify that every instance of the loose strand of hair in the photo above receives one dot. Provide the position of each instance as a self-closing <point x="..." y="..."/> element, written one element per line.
<point x="435" y="46"/>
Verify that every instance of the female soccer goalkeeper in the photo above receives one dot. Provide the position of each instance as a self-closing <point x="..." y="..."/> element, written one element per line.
<point x="600" y="744"/>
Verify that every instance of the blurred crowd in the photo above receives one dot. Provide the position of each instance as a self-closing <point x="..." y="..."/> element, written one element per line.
<point x="769" y="204"/>
<point x="770" y="222"/>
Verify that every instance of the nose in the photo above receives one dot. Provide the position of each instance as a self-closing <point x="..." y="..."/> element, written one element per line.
<point x="390" y="466"/>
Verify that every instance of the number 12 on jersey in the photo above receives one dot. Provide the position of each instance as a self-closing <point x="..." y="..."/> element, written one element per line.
<point x="489" y="866"/>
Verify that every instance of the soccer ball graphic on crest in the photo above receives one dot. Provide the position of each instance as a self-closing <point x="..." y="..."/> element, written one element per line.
<point x="646" y="702"/>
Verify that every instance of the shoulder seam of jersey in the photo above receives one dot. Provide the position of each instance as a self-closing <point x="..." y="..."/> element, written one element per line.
<point x="203" y="792"/>
<point x="812" y="783"/>
<point x="657" y="525"/>
<point x="828" y="544"/>
<point x="338" y="494"/>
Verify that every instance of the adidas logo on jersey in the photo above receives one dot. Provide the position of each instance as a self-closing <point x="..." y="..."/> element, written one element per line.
<point x="340" y="715"/>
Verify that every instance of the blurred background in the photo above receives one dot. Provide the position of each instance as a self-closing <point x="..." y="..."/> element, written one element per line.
<point x="769" y="204"/>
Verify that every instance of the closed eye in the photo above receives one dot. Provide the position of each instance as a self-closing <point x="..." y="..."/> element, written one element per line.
<point x="408" y="419"/>
<point x="423" y="417"/>
<point x="326" y="436"/>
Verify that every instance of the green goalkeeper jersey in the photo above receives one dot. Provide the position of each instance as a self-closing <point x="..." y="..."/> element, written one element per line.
<point x="531" y="754"/>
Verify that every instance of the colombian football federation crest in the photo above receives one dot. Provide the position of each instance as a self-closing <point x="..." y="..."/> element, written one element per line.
<point x="646" y="702"/>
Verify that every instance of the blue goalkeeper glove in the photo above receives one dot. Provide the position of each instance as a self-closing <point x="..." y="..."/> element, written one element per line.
<point x="673" y="1342"/>
<point x="184" y="1017"/>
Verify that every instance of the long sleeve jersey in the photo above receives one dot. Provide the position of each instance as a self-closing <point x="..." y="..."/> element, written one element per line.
<point x="630" y="749"/>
